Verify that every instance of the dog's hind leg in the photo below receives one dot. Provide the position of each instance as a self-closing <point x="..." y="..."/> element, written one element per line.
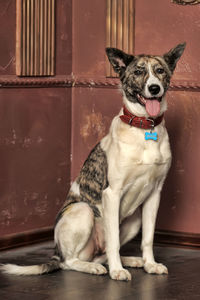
<point x="129" y="229"/>
<point x="73" y="234"/>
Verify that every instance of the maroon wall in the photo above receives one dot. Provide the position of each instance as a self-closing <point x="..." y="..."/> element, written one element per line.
<point x="48" y="127"/>
<point x="34" y="157"/>
<point x="35" y="131"/>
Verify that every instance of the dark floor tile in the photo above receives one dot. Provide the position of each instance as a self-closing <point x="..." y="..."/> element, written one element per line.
<point x="182" y="283"/>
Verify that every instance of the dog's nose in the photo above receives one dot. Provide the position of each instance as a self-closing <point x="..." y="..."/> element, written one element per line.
<point x="154" y="89"/>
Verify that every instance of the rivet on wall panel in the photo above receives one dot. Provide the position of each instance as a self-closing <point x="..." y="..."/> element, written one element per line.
<point x="119" y="27"/>
<point x="35" y="37"/>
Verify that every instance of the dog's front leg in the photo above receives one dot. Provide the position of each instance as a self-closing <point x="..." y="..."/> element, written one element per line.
<point x="111" y="205"/>
<point x="149" y="214"/>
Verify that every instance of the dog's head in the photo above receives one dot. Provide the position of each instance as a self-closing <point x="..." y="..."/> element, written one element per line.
<point x="145" y="78"/>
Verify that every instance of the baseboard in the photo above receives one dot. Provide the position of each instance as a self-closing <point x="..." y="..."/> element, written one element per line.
<point x="174" y="238"/>
<point x="26" y="238"/>
<point x="162" y="237"/>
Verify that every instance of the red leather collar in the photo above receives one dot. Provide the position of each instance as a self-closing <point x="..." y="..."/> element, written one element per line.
<point x="140" y="122"/>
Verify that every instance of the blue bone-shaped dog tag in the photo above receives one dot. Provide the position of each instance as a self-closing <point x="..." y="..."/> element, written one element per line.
<point x="151" y="136"/>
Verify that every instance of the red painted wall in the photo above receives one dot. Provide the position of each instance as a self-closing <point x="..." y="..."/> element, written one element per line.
<point x="35" y="132"/>
<point x="46" y="133"/>
<point x="34" y="157"/>
<point x="89" y="38"/>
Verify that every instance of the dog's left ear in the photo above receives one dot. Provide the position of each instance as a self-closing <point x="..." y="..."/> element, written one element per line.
<point x="173" y="56"/>
<point x="118" y="59"/>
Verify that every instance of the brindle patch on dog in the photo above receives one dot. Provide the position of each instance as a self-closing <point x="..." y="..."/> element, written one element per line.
<point x="93" y="176"/>
<point x="92" y="180"/>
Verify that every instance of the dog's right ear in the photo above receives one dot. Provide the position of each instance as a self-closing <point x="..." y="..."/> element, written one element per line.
<point x="118" y="59"/>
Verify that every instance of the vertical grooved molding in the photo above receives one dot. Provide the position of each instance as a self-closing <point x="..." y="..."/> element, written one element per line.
<point x="119" y="28"/>
<point x="35" y="37"/>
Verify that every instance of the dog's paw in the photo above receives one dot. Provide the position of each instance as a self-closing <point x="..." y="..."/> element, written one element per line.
<point x="132" y="262"/>
<point x="97" y="269"/>
<point x="155" y="268"/>
<point x="121" y="274"/>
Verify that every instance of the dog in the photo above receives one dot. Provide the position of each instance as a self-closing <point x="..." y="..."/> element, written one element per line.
<point x="118" y="189"/>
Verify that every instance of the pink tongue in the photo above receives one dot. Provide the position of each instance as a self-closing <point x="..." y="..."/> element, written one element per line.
<point x="153" y="107"/>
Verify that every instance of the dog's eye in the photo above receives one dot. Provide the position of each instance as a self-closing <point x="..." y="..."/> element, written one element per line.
<point x="138" y="72"/>
<point x="160" y="70"/>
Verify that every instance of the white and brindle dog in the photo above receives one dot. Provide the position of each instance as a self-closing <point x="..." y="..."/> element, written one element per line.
<point x="118" y="188"/>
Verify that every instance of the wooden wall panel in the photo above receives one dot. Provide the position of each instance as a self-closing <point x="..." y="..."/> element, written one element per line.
<point x="34" y="156"/>
<point x="35" y="37"/>
<point x="119" y="27"/>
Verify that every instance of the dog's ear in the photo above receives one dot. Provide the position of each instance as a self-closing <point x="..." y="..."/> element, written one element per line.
<point x="173" y="56"/>
<point x="118" y="59"/>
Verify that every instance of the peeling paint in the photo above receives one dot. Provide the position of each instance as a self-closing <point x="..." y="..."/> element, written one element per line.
<point x="14" y="137"/>
<point x="58" y="202"/>
<point x="41" y="206"/>
<point x="34" y="196"/>
<point x="180" y="167"/>
<point x="93" y="125"/>
<point x="24" y="142"/>
<point x="39" y="140"/>
<point x="4" y="11"/>
<point x="25" y="198"/>
<point x="173" y="207"/>
<point x="7" y="214"/>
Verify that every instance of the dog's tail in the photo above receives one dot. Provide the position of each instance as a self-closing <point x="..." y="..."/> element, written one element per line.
<point x="52" y="265"/>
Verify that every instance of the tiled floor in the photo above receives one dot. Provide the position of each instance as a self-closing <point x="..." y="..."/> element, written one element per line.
<point x="182" y="283"/>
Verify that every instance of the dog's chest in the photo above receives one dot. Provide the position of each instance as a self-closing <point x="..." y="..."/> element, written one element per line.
<point x="142" y="174"/>
<point x="145" y="180"/>
<point x="129" y="155"/>
<point x="144" y="153"/>
<point x="135" y="165"/>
